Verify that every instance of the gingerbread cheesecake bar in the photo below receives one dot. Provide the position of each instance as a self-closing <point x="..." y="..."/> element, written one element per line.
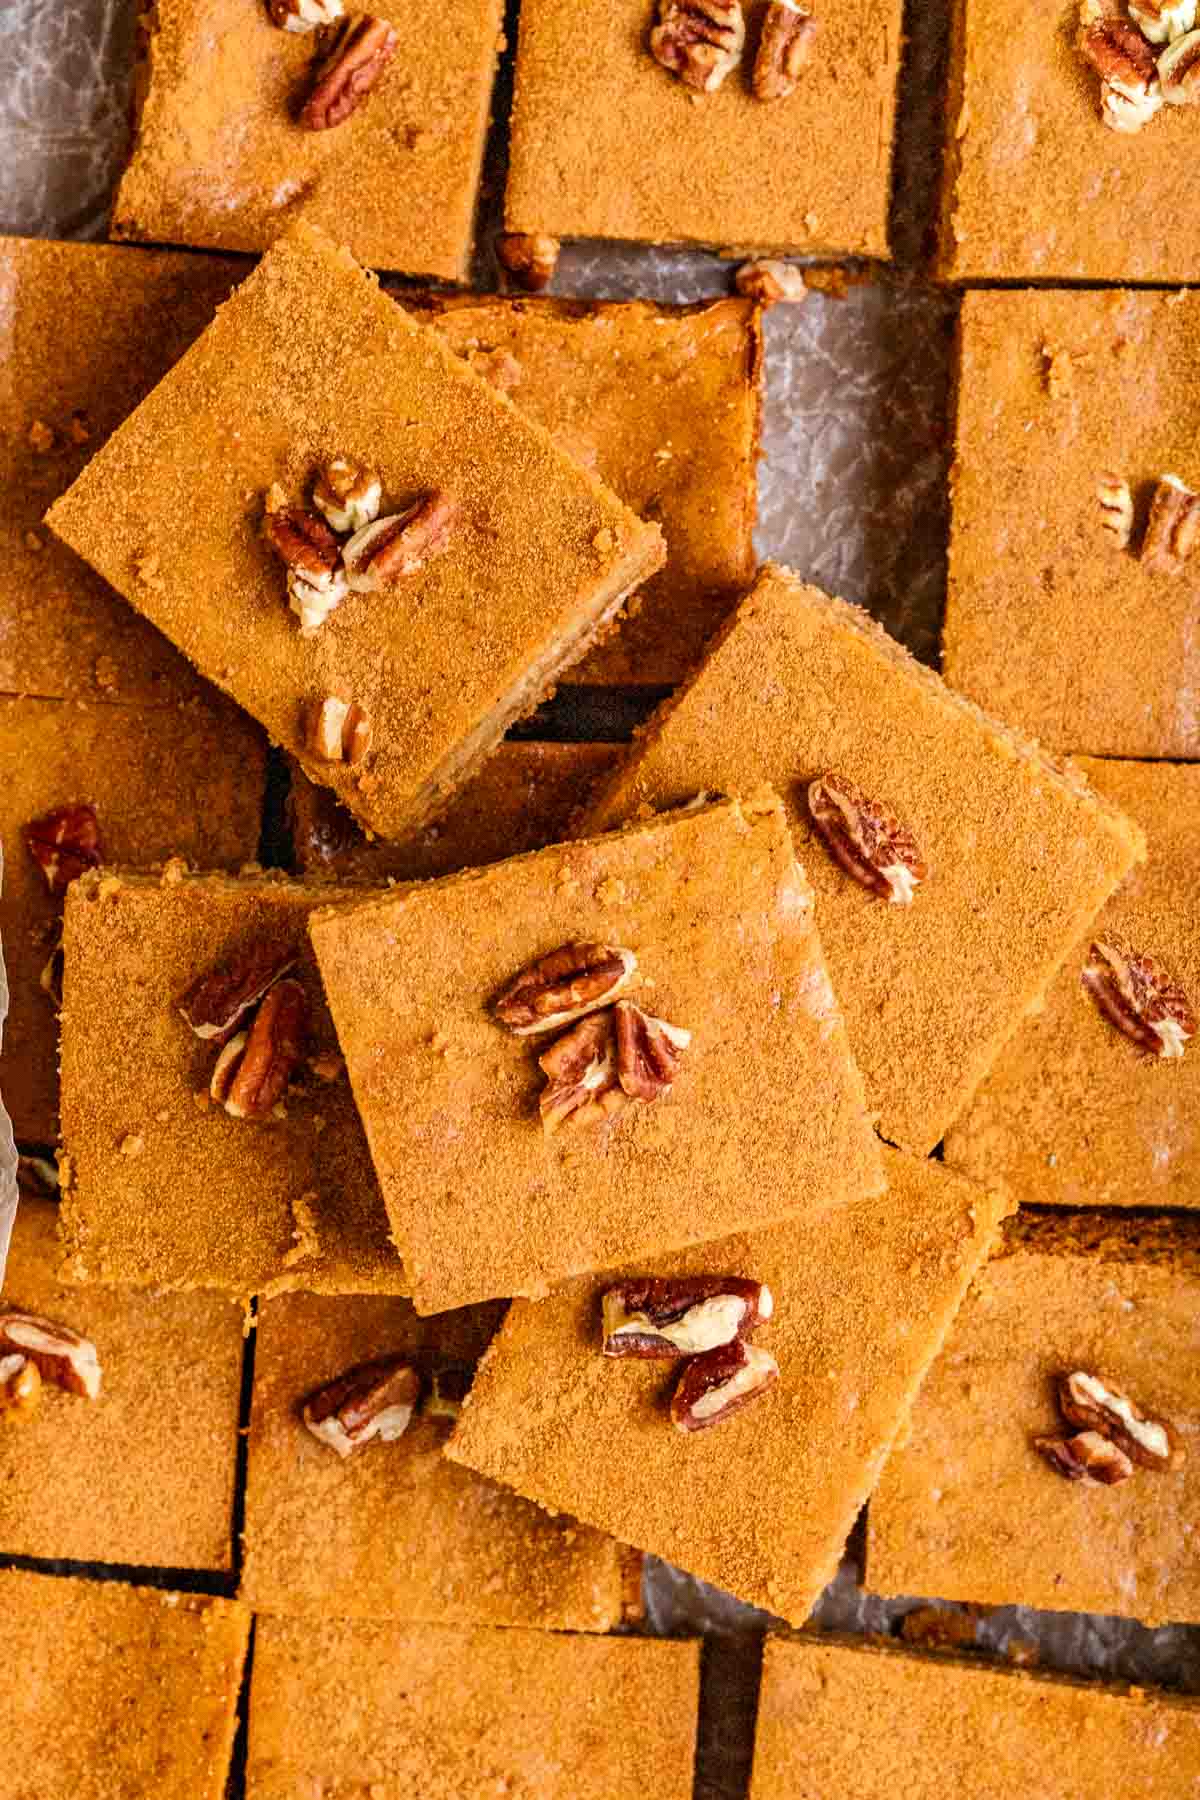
<point x="1070" y="607"/>
<point x="467" y="1715"/>
<point x="954" y="865"/>
<point x="600" y="1050"/>
<point x="355" y="535"/>
<point x="124" y="1449"/>
<point x="958" y="1727"/>
<point x="250" y="117"/>
<point x="758" y="1488"/>
<point x="1096" y="1101"/>
<point x="344" y="1519"/>
<point x="210" y="1135"/>
<point x="1081" y="1494"/>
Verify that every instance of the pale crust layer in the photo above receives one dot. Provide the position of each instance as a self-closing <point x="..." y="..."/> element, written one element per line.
<point x="85" y="1655"/>
<point x="397" y="1531"/>
<point x="971" y="1513"/>
<point x="524" y="797"/>
<point x="1048" y="622"/>
<point x="1072" y="1113"/>
<point x="220" y="162"/>
<point x="607" y="144"/>
<point x="309" y="361"/>
<point x="1021" y="855"/>
<point x="761" y="1504"/>
<point x="63" y="632"/>
<point x="144" y="1474"/>
<point x="183" y="781"/>
<point x="451" y="1715"/>
<point x="957" y="1727"/>
<point x="208" y="1200"/>
<point x="765" y="1120"/>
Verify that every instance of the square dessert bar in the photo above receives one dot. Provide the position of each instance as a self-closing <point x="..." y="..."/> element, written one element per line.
<point x="760" y="1504"/>
<point x="221" y="158"/>
<point x="117" y="1690"/>
<point x="63" y="632"/>
<point x="524" y="797"/>
<point x="144" y="1473"/>
<point x="1074" y="1113"/>
<point x="1015" y="856"/>
<point x="980" y="1515"/>
<point x="958" y="1727"/>
<point x="1053" y="619"/>
<point x="166" y="781"/>
<point x="396" y="1530"/>
<point x="162" y="1185"/>
<point x="1036" y="185"/>
<point x="707" y="921"/>
<point x="663" y="403"/>
<point x="513" y="563"/>
<point x="607" y="143"/>
<point x="464" y="1715"/>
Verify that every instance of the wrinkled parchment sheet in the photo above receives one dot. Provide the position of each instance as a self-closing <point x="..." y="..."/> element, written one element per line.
<point x="852" y="493"/>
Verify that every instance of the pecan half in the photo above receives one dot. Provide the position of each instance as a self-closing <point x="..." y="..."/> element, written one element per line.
<point x="373" y="1400"/>
<point x="255" y="1078"/>
<point x="390" y="549"/>
<point x="338" y="731"/>
<point x="1116" y="507"/>
<point x="1119" y="54"/>
<point x="648" y="1051"/>
<point x="64" y="843"/>
<point x="1093" y="1402"/>
<point x="59" y="1354"/>
<point x="1125" y="112"/>
<point x="1173" y="527"/>
<point x="1161" y="21"/>
<point x="448" y="1388"/>
<point x="783" y="49"/>
<point x="219" y="999"/>
<point x="701" y="41"/>
<point x="1179" y="70"/>
<point x="304" y="15"/>
<point x="563" y="985"/>
<point x="20" y="1388"/>
<point x="866" y="840"/>
<point x="769" y="282"/>
<point x="347" y="496"/>
<point x="529" y="257"/>
<point x="357" y="57"/>
<point x="582" y="1085"/>
<point x="313" y="605"/>
<point x="1089" y="1456"/>
<point x="714" y="1386"/>
<point x="305" y="543"/>
<point x="681" y="1316"/>
<point x="1136" y="994"/>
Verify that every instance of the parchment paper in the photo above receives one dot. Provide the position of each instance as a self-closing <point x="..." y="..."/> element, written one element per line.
<point x="852" y="494"/>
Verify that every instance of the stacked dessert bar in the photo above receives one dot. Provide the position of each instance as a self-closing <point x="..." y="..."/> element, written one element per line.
<point x="383" y="1079"/>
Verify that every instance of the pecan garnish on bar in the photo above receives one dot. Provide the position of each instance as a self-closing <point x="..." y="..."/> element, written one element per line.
<point x="389" y="549"/>
<point x="373" y="1400"/>
<point x="1096" y="1404"/>
<point x="65" y="843"/>
<point x="866" y="839"/>
<point x="304" y="15"/>
<point x="563" y="985"/>
<point x="1088" y="1456"/>
<point x="60" y="1355"/>
<point x="684" y="1315"/>
<point x="701" y="41"/>
<point x="1138" y="997"/>
<point x="1116" y="507"/>
<point x="218" y="1000"/>
<point x="347" y="496"/>
<point x="360" y="51"/>
<point x="253" y="1071"/>
<point x="582" y="1084"/>
<point x="337" y="731"/>
<point x="648" y="1051"/>
<point x="1173" y="527"/>
<point x="783" y="49"/>
<point x="720" y="1383"/>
